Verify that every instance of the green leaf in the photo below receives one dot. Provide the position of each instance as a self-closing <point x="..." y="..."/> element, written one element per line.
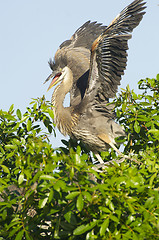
<point x="149" y="202"/>
<point x="136" y="127"/>
<point x="19" y="115"/>
<point x="131" y="208"/>
<point x="23" y="141"/>
<point x="104" y="227"/>
<point x="66" y="143"/>
<point x="43" y="202"/>
<point x="4" y="214"/>
<point x="50" y="111"/>
<point x="84" y="157"/>
<point x="47" y="177"/>
<point x="70" y="217"/>
<point x="155" y="132"/>
<point x="59" y="185"/>
<point x="15" y="221"/>
<point x="80" y="203"/>
<point x="145" y="104"/>
<point x="11" y="108"/>
<point x="56" y="232"/>
<point x="50" y="128"/>
<point x="66" y="226"/>
<point x="67" y="216"/>
<point x="77" y="159"/>
<point x="15" y="229"/>
<point x="28" y="125"/>
<point x="72" y="172"/>
<point x="134" y="95"/>
<point x="135" y="237"/>
<point x="84" y="228"/>
<point x="104" y="209"/>
<point x="16" y="141"/>
<point x="88" y="196"/>
<point x="124" y="106"/>
<point x="10" y="146"/>
<point x="21" y="178"/>
<point x="5" y="168"/>
<point x="114" y="218"/>
<point x="19" y="235"/>
<point x="24" y="119"/>
<point x="111" y="206"/>
<point x="72" y="195"/>
<point x="35" y="106"/>
<point x="50" y="195"/>
<point x="152" y="178"/>
<point x="27" y="236"/>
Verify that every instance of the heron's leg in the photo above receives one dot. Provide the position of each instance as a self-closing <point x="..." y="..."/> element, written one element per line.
<point x="100" y="164"/>
<point x="106" y="139"/>
<point x="121" y="154"/>
<point x="117" y="150"/>
<point x="99" y="158"/>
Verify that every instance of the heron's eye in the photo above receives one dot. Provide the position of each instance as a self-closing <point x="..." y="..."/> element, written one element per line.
<point x="58" y="75"/>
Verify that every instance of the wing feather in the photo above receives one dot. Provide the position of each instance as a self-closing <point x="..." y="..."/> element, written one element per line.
<point x="84" y="35"/>
<point x="109" y="53"/>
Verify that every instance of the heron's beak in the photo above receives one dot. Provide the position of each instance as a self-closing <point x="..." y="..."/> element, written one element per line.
<point x="54" y="81"/>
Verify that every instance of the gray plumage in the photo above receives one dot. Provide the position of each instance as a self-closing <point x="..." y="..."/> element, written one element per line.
<point x="90" y="66"/>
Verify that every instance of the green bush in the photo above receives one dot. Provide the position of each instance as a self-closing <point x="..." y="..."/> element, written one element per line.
<point x="48" y="193"/>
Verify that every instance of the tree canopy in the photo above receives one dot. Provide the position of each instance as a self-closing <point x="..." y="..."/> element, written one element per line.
<point x="48" y="193"/>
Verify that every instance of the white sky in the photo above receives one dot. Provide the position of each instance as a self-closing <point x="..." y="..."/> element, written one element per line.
<point x="32" y="30"/>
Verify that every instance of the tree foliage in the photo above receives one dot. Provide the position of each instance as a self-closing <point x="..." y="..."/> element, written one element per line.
<point x="48" y="193"/>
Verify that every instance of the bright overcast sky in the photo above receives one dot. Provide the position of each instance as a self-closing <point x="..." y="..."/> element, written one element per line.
<point x="32" y="30"/>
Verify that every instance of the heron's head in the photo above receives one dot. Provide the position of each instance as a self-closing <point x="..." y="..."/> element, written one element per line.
<point x="58" y="76"/>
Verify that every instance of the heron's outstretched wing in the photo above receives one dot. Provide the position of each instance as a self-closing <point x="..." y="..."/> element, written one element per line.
<point x="109" y="56"/>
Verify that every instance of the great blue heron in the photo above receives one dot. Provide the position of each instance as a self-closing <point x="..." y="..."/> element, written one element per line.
<point x="89" y="66"/>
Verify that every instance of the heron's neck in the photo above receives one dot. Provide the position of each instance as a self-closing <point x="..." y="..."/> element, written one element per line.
<point x="61" y="90"/>
<point x="62" y="115"/>
<point x="58" y="97"/>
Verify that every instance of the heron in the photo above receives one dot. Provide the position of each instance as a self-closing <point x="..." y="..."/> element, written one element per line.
<point x="89" y="65"/>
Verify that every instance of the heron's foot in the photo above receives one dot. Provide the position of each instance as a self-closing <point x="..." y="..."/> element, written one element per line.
<point x="96" y="168"/>
<point x="123" y="157"/>
<point x="106" y="164"/>
<point x="129" y="157"/>
<point x="102" y="165"/>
